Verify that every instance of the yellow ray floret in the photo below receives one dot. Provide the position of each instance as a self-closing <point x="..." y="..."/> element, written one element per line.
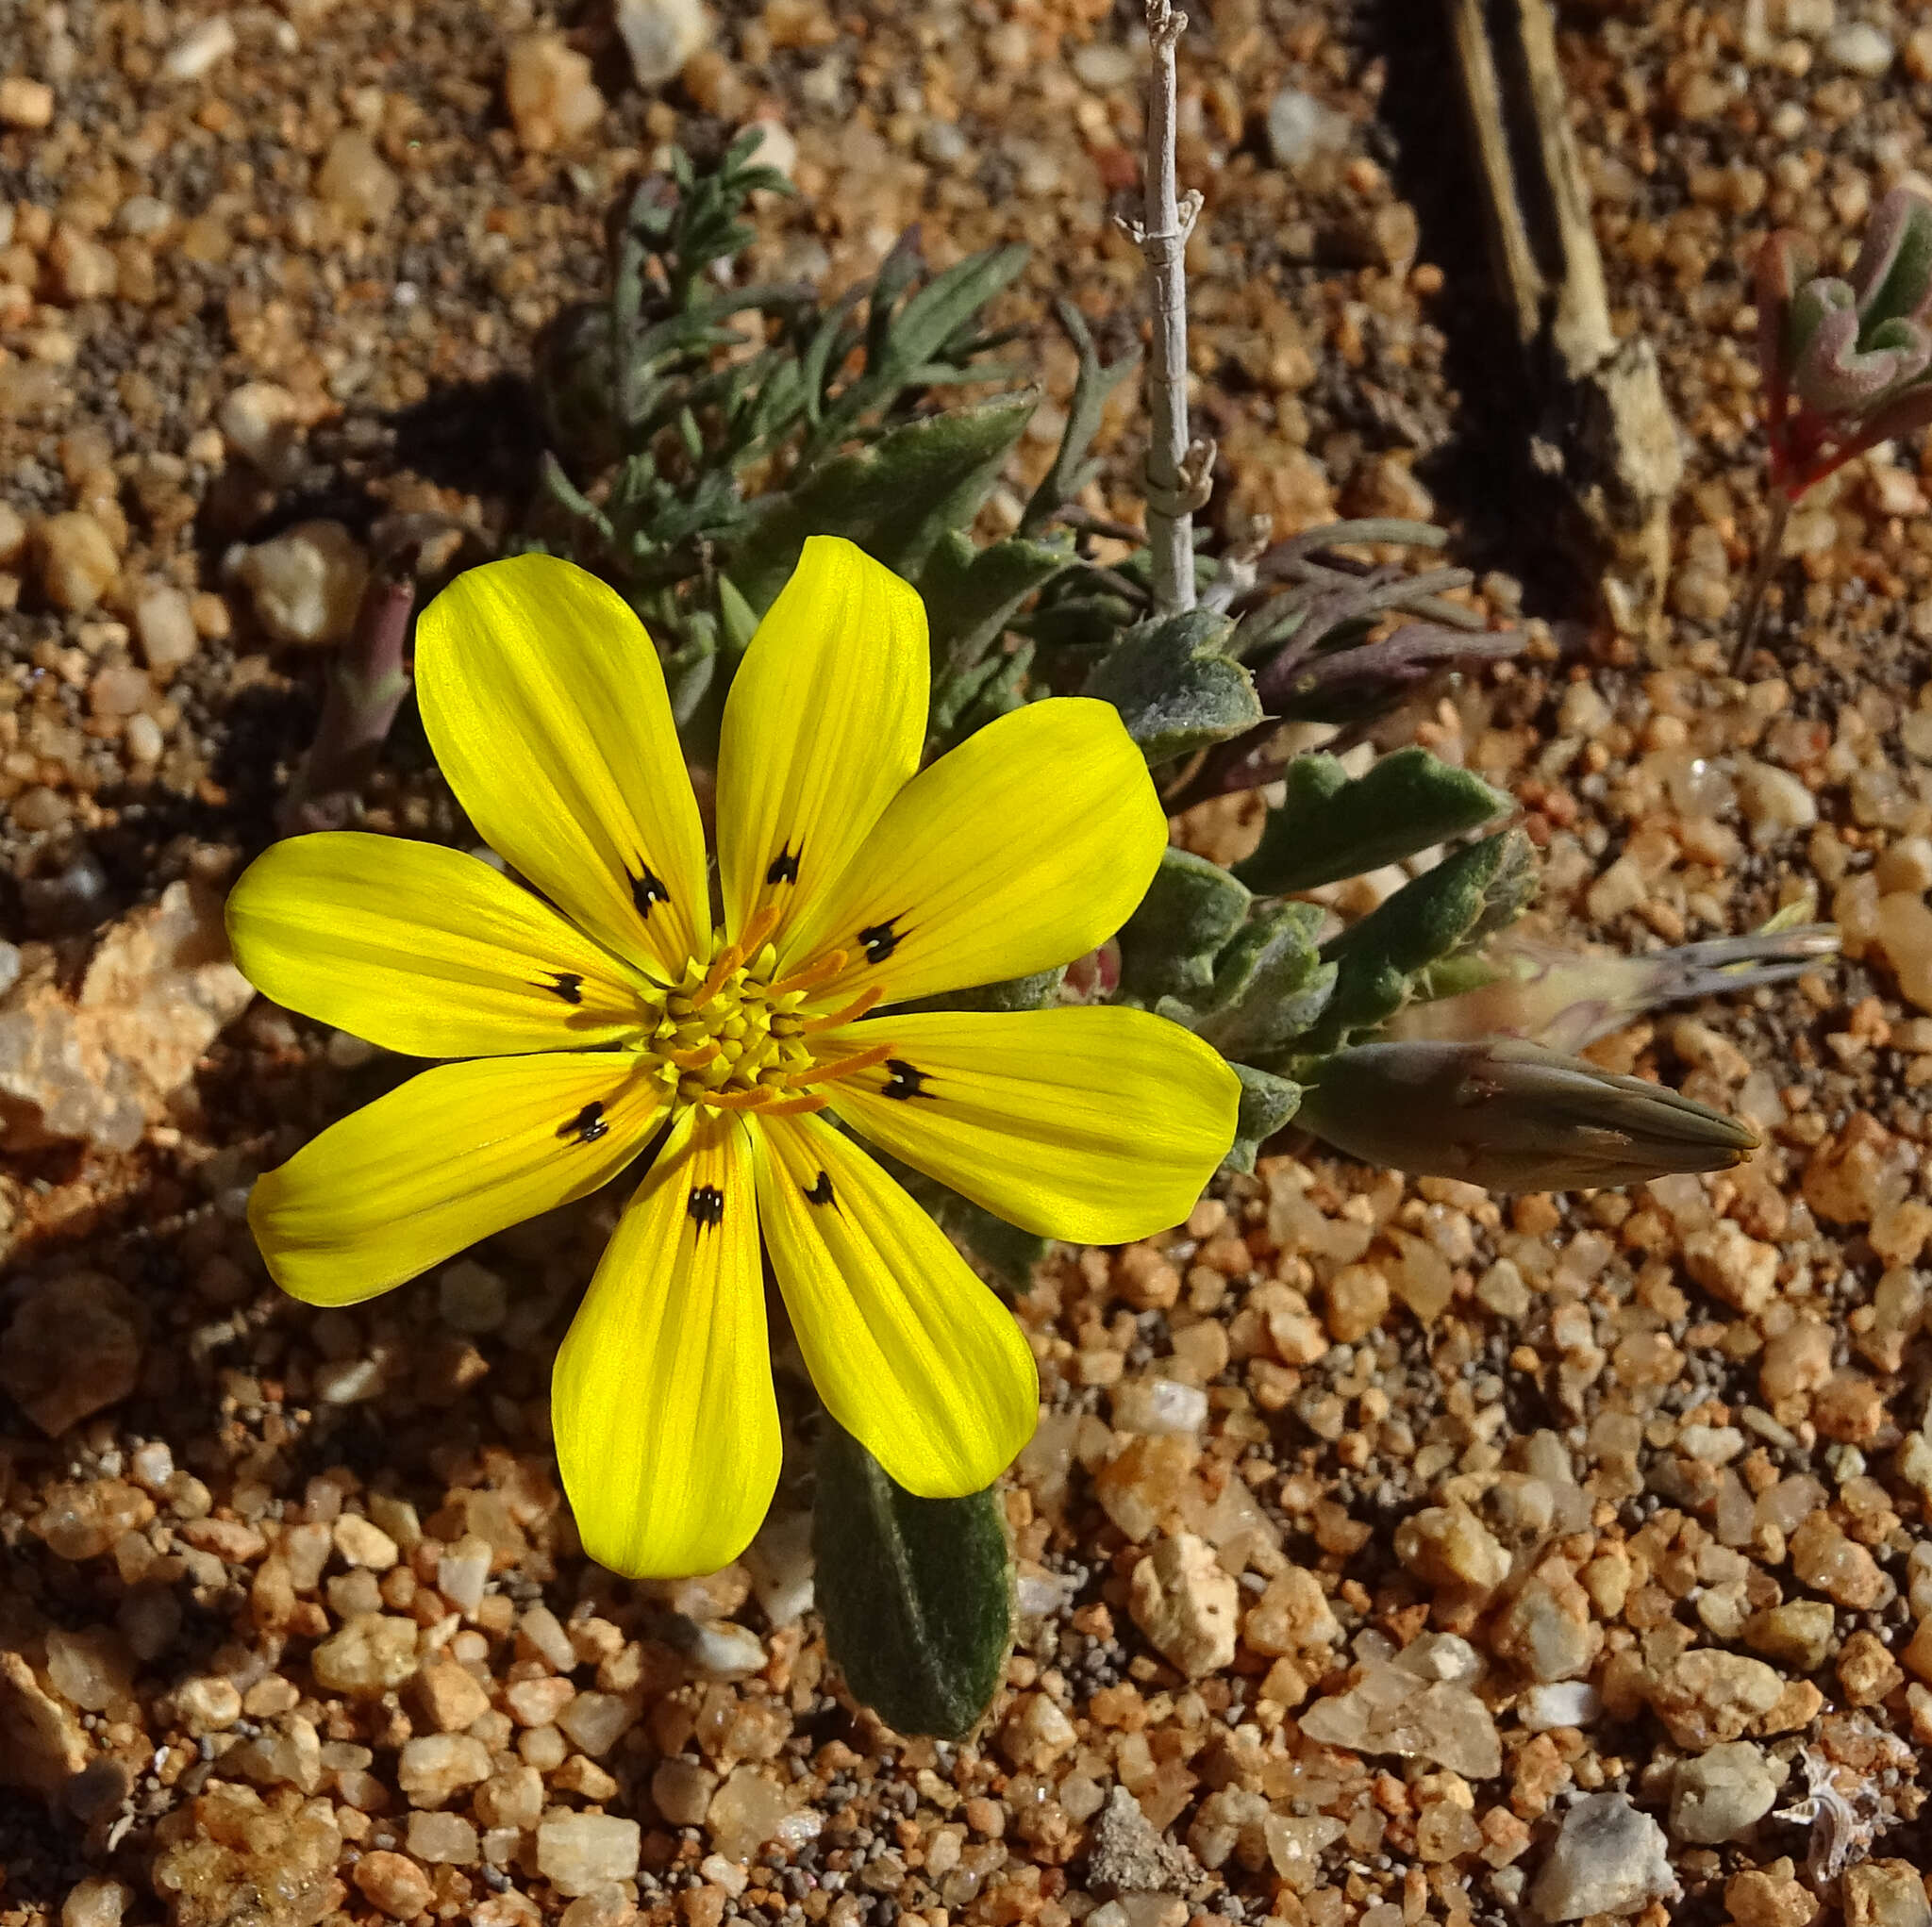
<point x="667" y="1425"/>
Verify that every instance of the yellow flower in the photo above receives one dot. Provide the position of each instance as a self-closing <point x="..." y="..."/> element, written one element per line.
<point x="631" y="1013"/>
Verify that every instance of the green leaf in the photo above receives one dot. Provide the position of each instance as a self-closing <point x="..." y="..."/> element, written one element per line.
<point x="1270" y="984"/>
<point x="1330" y="826"/>
<point x="896" y="499"/>
<point x="1439" y="915"/>
<point x="1268" y="1105"/>
<point x="917" y="1594"/>
<point x="1094" y="382"/>
<point x="1176" y="688"/>
<point x="972" y="593"/>
<point x="1168" y="946"/>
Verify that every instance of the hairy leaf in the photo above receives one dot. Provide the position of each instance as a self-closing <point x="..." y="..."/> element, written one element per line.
<point x="1176" y="685"/>
<point x="917" y="1594"/>
<point x="1268" y="1105"/>
<point x="1168" y="946"/>
<point x="1330" y="826"/>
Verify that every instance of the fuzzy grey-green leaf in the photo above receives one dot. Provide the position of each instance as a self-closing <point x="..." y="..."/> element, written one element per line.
<point x="917" y="1594"/>
<point x="1268" y="1105"/>
<point x="1176" y="685"/>
<point x="1270" y="984"/>
<point x="1330" y="826"/>
<point x="1168" y="946"/>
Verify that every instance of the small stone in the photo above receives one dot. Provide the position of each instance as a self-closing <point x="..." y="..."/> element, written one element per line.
<point x="13" y="529"/>
<point x="26" y="102"/>
<point x="81" y="268"/>
<point x="660" y="36"/>
<point x="1797" y="1634"/>
<point x="96" y="1901"/>
<point x="1866" y="1671"/>
<point x="681" y="1791"/>
<point x="1130" y="1855"/>
<point x="90" y="1668"/>
<point x="1448" y="1545"/>
<point x="1035" y="1732"/>
<point x="1390" y="1710"/>
<point x="513" y="1798"/>
<point x="1717" y="1796"/>
<point x="443" y="1839"/>
<point x="72" y="1349"/>
<point x="393" y="1884"/>
<point x="1292" y="1615"/>
<point x="450" y="1697"/>
<point x="1608" y="1858"/>
<point x="1561" y="1703"/>
<point x="1769" y="1898"/>
<point x="1158" y="1405"/>
<point x="472" y="1299"/>
<point x="1905" y="935"/>
<point x="780" y="1563"/>
<point x="725" y="1651"/>
<point x="1733" y="1267"/>
<point x="199" y="49"/>
<point x="435" y="1765"/>
<point x="200" y="1707"/>
<point x="1300" y="127"/>
<point x="364" y="1544"/>
<point x="745" y="1812"/>
<point x="1862" y="48"/>
<point x="77" y="558"/>
<point x="261" y="421"/>
<point x="81" y="1519"/>
<point x="41" y="1743"/>
<point x="1885" y="1893"/>
<point x="549" y="92"/>
<point x="1187" y="1604"/>
<point x="306" y="585"/>
<point x="357" y="181"/>
<point x="1829" y="1562"/>
<point x="537" y="1702"/>
<point x="582" y="1850"/>
<point x="164" y="627"/>
<point x="1708" y="1696"/>
<point x="595" y="1721"/>
<point x="372" y="1654"/>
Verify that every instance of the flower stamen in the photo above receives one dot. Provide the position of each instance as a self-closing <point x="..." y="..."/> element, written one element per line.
<point x="821" y="971"/>
<point x="857" y="1009"/>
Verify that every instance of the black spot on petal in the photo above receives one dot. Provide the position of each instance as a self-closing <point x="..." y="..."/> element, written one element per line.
<point x="785" y="865"/>
<point x="880" y="940"/>
<point x="647" y="891"/>
<point x="706" y="1205"/>
<point x="820" y="1193"/>
<point x="904" y="1080"/>
<point x="568" y="985"/>
<point x="587" y="1126"/>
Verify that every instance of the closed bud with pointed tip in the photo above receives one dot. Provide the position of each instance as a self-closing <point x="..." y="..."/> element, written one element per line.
<point x="1512" y="1115"/>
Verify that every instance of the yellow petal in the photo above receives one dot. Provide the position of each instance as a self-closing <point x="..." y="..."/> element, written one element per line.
<point x="1098" y="1126"/>
<point x="667" y="1426"/>
<point x="1026" y="846"/>
<point x="822" y="728"/>
<point x="422" y="950"/>
<point x="544" y="702"/>
<point x="455" y="1154"/>
<point x="912" y="1354"/>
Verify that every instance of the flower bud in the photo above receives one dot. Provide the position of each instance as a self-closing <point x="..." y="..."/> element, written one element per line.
<point x="1512" y="1116"/>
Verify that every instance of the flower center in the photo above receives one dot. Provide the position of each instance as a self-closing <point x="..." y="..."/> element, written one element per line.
<point x="730" y="1033"/>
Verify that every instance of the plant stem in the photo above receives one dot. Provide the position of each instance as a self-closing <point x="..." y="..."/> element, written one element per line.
<point x="1174" y="469"/>
<point x="1760" y="578"/>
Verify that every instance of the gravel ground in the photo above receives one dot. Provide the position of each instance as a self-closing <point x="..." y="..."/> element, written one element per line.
<point x="1388" y="1551"/>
